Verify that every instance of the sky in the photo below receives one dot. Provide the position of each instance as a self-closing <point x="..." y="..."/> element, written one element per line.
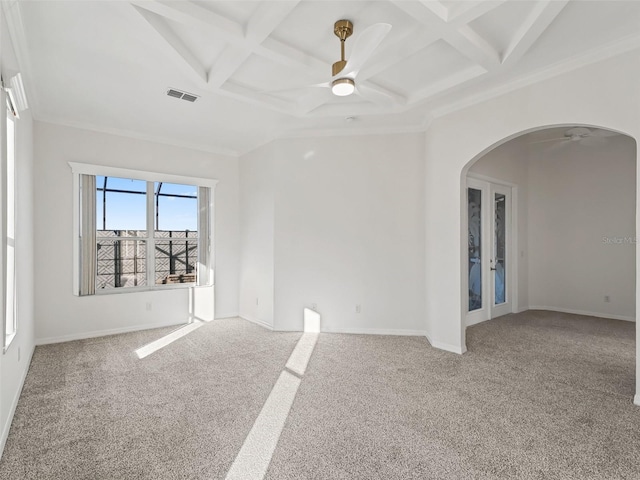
<point x="126" y="211"/>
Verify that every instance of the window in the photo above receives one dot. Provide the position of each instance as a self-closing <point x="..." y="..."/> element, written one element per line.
<point x="138" y="232"/>
<point x="9" y="244"/>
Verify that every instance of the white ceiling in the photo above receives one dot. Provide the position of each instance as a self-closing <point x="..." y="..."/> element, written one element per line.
<point x="107" y="65"/>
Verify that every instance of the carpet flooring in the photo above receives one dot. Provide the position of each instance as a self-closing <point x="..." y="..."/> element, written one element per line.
<point x="538" y="395"/>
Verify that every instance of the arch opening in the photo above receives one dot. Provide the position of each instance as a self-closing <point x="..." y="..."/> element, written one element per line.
<point x="573" y="237"/>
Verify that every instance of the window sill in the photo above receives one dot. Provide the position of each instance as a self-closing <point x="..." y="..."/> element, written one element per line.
<point x="159" y="288"/>
<point x="7" y="341"/>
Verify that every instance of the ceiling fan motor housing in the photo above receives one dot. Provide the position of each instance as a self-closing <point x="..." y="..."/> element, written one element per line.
<point x="343" y="29"/>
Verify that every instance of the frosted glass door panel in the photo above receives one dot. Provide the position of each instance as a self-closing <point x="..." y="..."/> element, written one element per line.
<point x="499" y="255"/>
<point x="474" y="200"/>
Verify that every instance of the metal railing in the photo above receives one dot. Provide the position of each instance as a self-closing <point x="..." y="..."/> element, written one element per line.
<point x="122" y="258"/>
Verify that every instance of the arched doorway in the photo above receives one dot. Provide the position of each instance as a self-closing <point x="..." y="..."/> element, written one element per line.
<point x="570" y="238"/>
<point x="583" y="166"/>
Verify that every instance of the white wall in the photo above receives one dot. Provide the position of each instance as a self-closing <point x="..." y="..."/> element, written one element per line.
<point x="347" y="230"/>
<point x="60" y="315"/>
<point x="567" y="99"/>
<point x="14" y="363"/>
<point x="580" y="197"/>
<point x="257" y="183"/>
<point x="508" y="163"/>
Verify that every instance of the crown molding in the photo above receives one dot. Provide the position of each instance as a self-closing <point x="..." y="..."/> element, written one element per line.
<point x="138" y="136"/>
<point x="339" y="132"/>
<point x="595" y="55"/>
<point x="352" y="132"/>
<point x="13" y="16"/>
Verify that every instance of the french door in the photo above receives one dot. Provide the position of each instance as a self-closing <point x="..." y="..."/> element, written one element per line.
<point x="489" y="256"/>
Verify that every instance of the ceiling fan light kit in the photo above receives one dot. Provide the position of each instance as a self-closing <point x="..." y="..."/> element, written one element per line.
<point x="343" y="87"/>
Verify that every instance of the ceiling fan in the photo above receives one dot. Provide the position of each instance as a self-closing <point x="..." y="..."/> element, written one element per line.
<point x="344" y="72"/>
<point x="582" y="135"/>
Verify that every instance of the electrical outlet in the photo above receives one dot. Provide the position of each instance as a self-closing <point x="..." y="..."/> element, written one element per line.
<point x="358" y="309"/>
<point x="257" y="301"/>
<point x="148" y="306"/>
<point x="314" y="307"/>
<point x="607" y="299"/>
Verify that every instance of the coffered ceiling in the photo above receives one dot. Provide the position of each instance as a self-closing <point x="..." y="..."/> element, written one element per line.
<point x="107" y="65"/>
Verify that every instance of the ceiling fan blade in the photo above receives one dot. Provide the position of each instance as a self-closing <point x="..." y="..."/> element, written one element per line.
<point x="593" y="141"/>
<point x="314" y="99"/>
<point x="598" y="132"/>
<point x="286" y="88"/>
<point x="558" y="146"/>
<point x="374" y="95"/>
<point x="365" y="45"/>
<point x="551" y="140"/>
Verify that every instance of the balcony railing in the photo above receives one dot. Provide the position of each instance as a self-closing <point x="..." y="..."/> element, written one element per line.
<point x="122" y="258"/>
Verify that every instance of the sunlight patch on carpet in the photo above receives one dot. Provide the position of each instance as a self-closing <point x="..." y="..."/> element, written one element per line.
<point x="156" y="345"/>
<point x="257" y="450"/>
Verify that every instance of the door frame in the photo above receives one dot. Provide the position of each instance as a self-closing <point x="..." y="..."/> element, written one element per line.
<point x="484" y="183"/>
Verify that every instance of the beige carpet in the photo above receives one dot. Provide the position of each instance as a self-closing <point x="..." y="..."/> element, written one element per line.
<point x="538" y="395"/>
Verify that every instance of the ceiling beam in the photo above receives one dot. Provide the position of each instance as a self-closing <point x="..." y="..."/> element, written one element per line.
<point x="404" y="47"/>
<point x="377" y="90"/>
<point x="462" y="38"/>
<point x="284" y="54"/>
<point x="466" y="12"/>
<point x="230" y="60"/>
<point x="246" y="94"/>
<point x="229" y="32"/>
<point x="189" y="13"/>
<point x="467" y="41"/>
<point x="446" y="83"/>
<point x="437" y="8"/>
<point x="266" y="18"/>
<point x="262" y="23"/>
<point x="536" y="23"/>
<point x="183" y="53"/>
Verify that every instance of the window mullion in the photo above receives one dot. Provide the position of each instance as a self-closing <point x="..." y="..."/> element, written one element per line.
<point x="151" y="242"/>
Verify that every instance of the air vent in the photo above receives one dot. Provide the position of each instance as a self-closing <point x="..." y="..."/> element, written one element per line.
<point x="189" y="97"/>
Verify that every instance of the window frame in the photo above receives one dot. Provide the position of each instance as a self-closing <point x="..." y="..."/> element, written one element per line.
<point x="99" y="170"/>
<point x="7" y="270"/>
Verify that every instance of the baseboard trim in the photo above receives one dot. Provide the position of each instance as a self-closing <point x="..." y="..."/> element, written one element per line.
<point x="447" y="347"/>
<point x="636" y="399"/>
<point x="260" y="323"/>
<point x="224" y="316"/>
<point x="375" y="331"/>
<point x="582" y="312"/>
<point x="471" y="323"/>
<point x="14" y="404"/>
<point x="103" y="333"/>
